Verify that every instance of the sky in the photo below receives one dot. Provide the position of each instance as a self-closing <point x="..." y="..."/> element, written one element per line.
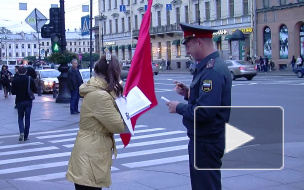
<point x="14" y="19"/>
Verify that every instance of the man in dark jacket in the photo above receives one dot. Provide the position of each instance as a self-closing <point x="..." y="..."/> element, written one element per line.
<point x="24" y="103"/>
<point x="74" y="81"/>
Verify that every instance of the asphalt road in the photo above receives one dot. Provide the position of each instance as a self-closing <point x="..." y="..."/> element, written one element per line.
<point x="160" y="137"/>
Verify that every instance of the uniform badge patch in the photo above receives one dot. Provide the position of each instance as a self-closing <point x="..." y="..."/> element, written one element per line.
<point x="207" y="85"/>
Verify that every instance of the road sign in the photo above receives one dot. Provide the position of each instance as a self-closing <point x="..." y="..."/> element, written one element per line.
<point x="31" y="20"/>
<point x="85" y="26"/>
<point x="168" y="7"/>
<point x="122" y="8"/>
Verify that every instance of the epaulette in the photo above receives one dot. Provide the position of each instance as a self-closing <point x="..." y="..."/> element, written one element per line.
<point x="210" y="63"/>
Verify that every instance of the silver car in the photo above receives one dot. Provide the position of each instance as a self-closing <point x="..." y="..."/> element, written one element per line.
<point x="47" y="77"/>
<point x="239" y="68"/>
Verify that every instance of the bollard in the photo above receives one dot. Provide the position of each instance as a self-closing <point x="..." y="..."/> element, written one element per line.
<point x="54" y="90"/>
<point x="39" y="88"/>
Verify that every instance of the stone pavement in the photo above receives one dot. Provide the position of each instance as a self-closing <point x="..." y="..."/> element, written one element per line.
<point x="47" y="115"/>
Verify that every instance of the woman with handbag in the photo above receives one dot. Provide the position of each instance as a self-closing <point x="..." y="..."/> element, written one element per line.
<point x="23" y="86"/>
<point x="5" y="80"/>
<point x="91" y="159"/>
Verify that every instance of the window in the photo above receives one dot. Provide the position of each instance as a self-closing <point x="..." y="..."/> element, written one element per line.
<point x="159" y="50"/>
<point x="23" y="54"/>
<point x="17" y="54"/>
<point x="88" y="43"/>
<point x="10" y="54"/>
<point x="92" y="49"/>
<point x="9" y="46"/>
<point x="151" y="25"/>
<point x="115" y="4"/>
<point x="134" y="1"/>
<point x="104" y="27"/>
<point x="103" y="7"/>
<point x="42" y="43"/>
<point x="197" y="12"/>
<point x="123" y="54"/>
<point x="267" y="42"/>
<point x="84" y="49"/>
<point x="75" y="43"/>
<point x="207" y="9"/>
<point x="231" y="8"/>
<point x="28" y="45"/>
<point x="71" y="50"/>
<point x="29" y="54"/>
<point x="177" y="16"/>
<point x="136" y="22"/>
<point x="168" y="17"/>
<point x="79" y="50"/>
<point x="35" y="46"/>
<point x="75" y="50"/>
<point x="218" y="9"/>
<point x="282" y="2"/>
<point x="123" y="24"/>
<point x="88" y="49"/>
<point x="129" y="24"/>
<point x="266" y="3"/>
<point x="110" y="4"/>
<point x="16" y="46"/>
<point x="47" y="43"/>
<point x="245" y="8"/>
<point x="158" y="18"/>
<point x="116" y="25"/>
<point x="178" y="49"/>
<point x="71" y="44"/>
<point x="83" y="42"/>
<point x="129" y="3"/>
<point x="110" y="26"/>
<point x="78" y="43"/>
<point x="121" y="2"/>
<point x="302" y="40"/>
<point x="283" y="42"/>
<point x="186" y="14"/>
<point x="22" y="46"/>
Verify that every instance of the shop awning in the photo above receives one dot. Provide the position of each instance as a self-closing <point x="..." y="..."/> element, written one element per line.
<point x="122" y="47"/>
<point x="115" y="47"/>
<point x="134" y="45"/>
<point x="128" y="46"/>
<point x="228" y="37"/>
<point x="176" y="42"/>
<point x="217" y="38"/>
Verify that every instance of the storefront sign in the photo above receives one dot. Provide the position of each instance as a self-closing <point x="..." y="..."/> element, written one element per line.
<point x="244" y="30"/>
<point x="220" y="32"/>
<point x="109" y="43"/>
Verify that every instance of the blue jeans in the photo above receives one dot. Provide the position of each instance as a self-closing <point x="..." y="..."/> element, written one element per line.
<point x="74" y="101"/>
<point x="24" y="109"/>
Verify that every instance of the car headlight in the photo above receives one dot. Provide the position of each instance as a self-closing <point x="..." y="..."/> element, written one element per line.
<point x="48" y="83"/>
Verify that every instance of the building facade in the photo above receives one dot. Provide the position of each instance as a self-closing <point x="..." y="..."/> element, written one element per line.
<point x="15" y="47"/>
<point x="226" y="15"/>
<point x="280" y="30"/>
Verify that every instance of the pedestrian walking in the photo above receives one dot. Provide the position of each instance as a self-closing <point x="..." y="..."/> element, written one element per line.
<point x="211" y="86"/>
<point x="163" y="64"/>
<point x="16" y="75"/>
<point x="261" y="64"/>
<point x="293" y="62"/>
<point x="20" y="87"/>
<point x="74" y="81"/>
<point x="168" y="64"/>
<point x="299" y="61"/>
<point x="5" y="80"/>
<point x="266" y="64"/>
<point x="91" y="159"/>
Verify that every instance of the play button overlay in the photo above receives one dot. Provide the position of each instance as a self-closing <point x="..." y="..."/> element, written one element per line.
<point x="235" y="138"/>
<point x="254" y="139"/>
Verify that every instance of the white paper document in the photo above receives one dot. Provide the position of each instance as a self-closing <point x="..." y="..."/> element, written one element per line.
<point x="133" y="104"/>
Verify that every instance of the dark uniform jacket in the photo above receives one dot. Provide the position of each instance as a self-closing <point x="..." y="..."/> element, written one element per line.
<point x="74" y="79"/>
<point x="19" y="87"/>
<point x="211" y="86"/>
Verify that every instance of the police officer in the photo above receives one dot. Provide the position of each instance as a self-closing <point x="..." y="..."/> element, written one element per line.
<point x="211" y="86"/>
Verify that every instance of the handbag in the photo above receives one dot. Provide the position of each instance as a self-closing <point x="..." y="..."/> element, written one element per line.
<point x="29" y="91"/>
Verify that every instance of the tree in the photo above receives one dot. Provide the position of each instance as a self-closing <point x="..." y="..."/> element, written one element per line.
<point x="86" y="57"/>
<point x="63" y="58"/>
<point x="3" y="30"/>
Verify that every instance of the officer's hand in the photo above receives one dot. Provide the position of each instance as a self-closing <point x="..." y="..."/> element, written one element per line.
<point x="181" y="88"/>
<point x="172" y="106"/>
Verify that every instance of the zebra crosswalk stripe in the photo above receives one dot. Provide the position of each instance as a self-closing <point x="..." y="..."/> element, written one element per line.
<point x="28" y="150"/>
<point x="19" y="145"/>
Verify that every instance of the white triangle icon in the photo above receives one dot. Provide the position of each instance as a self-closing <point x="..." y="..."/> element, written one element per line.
<point x="235" y="138"/>
<point x="85" y="26"/>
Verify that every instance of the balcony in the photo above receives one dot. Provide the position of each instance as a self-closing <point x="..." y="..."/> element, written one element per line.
<point x="161" y="31"/>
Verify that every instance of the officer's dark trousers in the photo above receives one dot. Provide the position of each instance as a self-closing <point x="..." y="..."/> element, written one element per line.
<point x="207" y="156"/>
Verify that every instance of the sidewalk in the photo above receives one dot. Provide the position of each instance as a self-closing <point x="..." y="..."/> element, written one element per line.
<point x="285" y="72"/>
<point x="48" y="115"/>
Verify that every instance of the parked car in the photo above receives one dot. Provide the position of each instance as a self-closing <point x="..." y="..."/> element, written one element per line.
<point x="47" y="77"/>
<point x="125" y="70"/>
<point x="239" y="68"/>
<point x="299" y="71"/>
<point x="85" y="74"/>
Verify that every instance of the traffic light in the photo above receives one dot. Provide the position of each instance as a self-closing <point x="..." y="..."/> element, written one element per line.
<point x="55" y="42"/>
<point x="55" y="20"/>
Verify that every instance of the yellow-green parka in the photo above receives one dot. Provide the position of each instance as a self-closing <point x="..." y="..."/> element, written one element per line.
<point x="91" y="158"/>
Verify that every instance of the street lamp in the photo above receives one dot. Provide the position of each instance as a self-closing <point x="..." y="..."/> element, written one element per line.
<point x="102" y="17"/>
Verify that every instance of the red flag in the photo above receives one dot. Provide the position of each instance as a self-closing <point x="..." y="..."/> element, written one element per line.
<point x="141" y="74"/>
